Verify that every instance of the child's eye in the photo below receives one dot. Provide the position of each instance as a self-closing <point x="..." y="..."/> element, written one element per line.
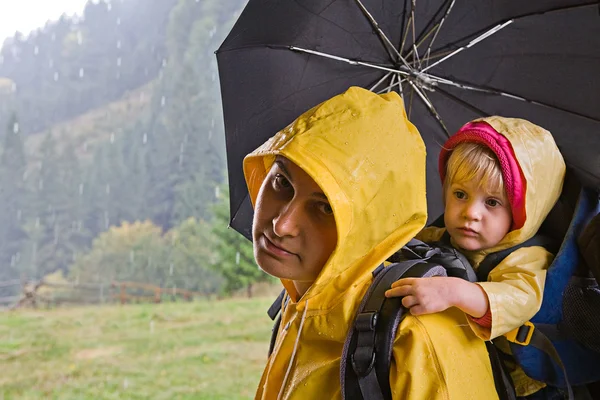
<point x="325" y="208"/>
<point x="281" y="182"/>
<point x="459" y="194"/>
<point x="492" y="202"/>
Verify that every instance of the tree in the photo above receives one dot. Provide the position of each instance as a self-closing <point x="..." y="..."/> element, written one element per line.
<point x="13" y="198"/>
<point x="234" y="253"/>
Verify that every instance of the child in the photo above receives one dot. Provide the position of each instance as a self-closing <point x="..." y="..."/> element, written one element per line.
<point x="323" y="222"/>
<point x="501" y="177"/>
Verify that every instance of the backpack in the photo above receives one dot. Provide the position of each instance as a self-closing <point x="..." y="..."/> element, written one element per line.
<point x="559" y="346"/>
<point x="364" y="372"/>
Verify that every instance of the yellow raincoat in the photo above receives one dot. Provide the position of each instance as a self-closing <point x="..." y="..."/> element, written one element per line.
<point x="369" y="160"/>
<point x="516" y="285"/>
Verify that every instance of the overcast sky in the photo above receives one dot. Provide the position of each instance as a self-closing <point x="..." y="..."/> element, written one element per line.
<point x="27" y="15"/>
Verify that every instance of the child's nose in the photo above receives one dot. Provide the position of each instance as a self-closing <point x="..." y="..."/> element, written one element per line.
<point x="287" y="222"/>
<point x="472" y="211"/>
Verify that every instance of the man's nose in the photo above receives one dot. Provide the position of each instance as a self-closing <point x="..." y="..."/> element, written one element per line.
<point x="287" y="222"/>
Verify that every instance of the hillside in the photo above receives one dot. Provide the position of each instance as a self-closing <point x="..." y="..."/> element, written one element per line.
<point x="98" y="125"/>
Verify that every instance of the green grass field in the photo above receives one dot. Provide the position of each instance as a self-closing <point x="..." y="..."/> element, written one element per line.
<point x="199" y="350"/>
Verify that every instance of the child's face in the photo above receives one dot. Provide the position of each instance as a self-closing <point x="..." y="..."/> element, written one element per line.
<point x="475" y="218"/>
<point x="294" y="229"/>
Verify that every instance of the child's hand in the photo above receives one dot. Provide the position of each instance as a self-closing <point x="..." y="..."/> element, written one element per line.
<point x="424" y="295"/>
<point x="431" y="295"/>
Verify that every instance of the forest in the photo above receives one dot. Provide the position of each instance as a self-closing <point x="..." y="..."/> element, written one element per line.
<point x="112" y="151"/>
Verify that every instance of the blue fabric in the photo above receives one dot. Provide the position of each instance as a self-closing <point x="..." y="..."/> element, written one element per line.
<point x="582" y="364"/>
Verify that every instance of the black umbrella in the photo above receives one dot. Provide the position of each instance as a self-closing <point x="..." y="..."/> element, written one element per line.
<point x="452" y="61"/>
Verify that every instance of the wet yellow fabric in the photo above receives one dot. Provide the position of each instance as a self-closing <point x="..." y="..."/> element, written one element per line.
<point x="515" y="287"/>
<point x="369" y="160"/>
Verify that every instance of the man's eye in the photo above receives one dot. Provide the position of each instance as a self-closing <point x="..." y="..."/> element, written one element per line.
<point x="325" y="208"/>
<point x="459" y="194"/>
<point x="281" y="182"/>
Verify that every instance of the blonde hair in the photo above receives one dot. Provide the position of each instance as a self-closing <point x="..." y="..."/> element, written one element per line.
<point x="470" y="161"/>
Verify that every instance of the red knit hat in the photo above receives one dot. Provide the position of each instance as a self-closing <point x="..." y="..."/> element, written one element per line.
<point x="514" y="180"/>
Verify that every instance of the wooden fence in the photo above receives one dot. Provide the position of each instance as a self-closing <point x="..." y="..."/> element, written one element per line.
<point x="38" y="293"/>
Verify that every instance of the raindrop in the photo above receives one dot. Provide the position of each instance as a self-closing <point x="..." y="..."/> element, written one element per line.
<point x="217" y="192"/>
<point x="237" y="258"/>
<point x="12" y="260"/>
<point x="160" y="74"/>
<point x="164" y="62"/>
<point x="210" y="134"/>
<point x="79" y="225"/>
<point x="108" y="188"/>
<point x="37" y="222"/>
<point x="50" y="63"/>
<point x="212" y="31"/>
<point x="171" y="269"/>
<point x="25" y="175"/>
<point x="56" y="77"/>
<point x="108" y="7"/>
<point x="125" y="383"/>
<point x="81" y="72"/>
<point x="81" y="189"/>
<point x="106" y="220"/>
<point x="13" y="87"/>
<point x="36" y="50"/>
<point x="118" y="21"/>
<point x="118" y="61"/>
<point x="112" y="138"/>
<point x="53" y="38"/>
<point x="132" y="256"/>
<point x="145" y="138"/>
<point x="118" y="44"/>
<point x="214" y="76"/>
<point x="212" y="123"/>
<point x="163" y="101"/>
<point x="41" y="184"/>
<point x="16" y="127"/>
<point x="79" y="38"/>
<point x="151" y="331"/>
<point x="18" y="256"/>
<point x="85" y="146"/>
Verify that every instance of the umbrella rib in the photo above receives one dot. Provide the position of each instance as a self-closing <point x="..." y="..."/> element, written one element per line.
<point x="390" y="87"/>
<point x="413" y="5"/>
<point x="387" y="43"/>
<point x="463" y="103"/>
<point x="437" y="31"/>
<point x="379" y="82"/>
<point x="347" y="60"/>
<point x="430" y="106"/>
<point x="497" y="92"/>
<point x="472" y="43"/>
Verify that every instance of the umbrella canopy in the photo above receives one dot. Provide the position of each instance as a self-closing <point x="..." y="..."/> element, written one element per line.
<point x="452" y="61"/>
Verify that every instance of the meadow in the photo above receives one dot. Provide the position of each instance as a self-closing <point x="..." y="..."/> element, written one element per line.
<point x="198" y="350"/>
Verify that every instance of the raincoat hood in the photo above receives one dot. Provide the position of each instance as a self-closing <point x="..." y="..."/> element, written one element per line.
<point x="369" y="160"/>
<point x="533" y="170"/>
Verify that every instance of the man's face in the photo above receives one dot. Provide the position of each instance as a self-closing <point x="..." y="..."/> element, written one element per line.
<point x="294" y="229"/>
<point x="476" y="219"/>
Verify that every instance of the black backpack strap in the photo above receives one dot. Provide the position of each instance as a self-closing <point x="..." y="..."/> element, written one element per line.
<point x="492" y="260"/>
<point x="531" y="335"/>
<point x="502" y="380"/>
<point x="274" y="314"/>
<point x="367" y="355"/>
